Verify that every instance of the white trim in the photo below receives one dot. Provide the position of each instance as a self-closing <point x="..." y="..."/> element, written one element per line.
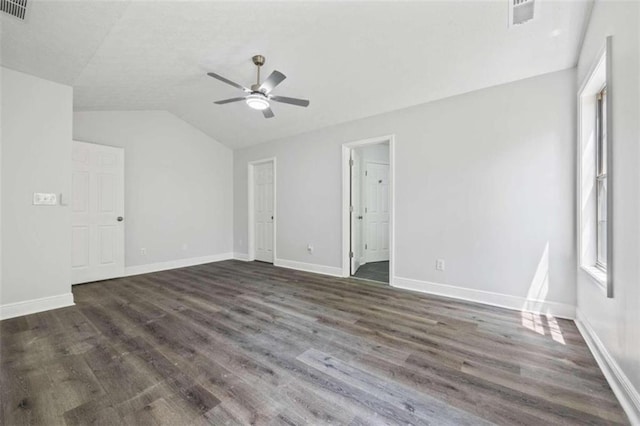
<point x="603" y="280"/>
<point x="620" y="384"/>
<point x="346" y="227"/>
<point x="251" y="240"/>
<point x="309" y="267"/>
<point x="559" y="310"/>
<point x="241" y="256"/>
<point x="611" y="138"/>
<point x="601" y="56"/>
<point x="597" y="275"/>
<point x="33" y="306"/>
<point x="174" y="264"/>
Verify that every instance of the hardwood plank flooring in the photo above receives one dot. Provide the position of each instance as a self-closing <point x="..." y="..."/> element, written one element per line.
<point x="236" y="343"/>
<point x="375" y="271"/>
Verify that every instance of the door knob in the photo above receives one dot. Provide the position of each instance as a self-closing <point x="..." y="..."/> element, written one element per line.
<point x="359" y="217"/>
<point x="120" y="218"/>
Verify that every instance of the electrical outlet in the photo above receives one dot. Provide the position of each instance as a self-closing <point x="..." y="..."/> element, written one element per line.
<point x="185" y="247"/>
<point x="44" y="199"/>
<point x="439" y="264"/>
<point x="143" y="251"/>
<point x="310" y="249"/>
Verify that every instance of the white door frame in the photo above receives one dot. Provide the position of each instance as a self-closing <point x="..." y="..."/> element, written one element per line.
<point x="346" y="189"/>
<point x="251" y="240"/>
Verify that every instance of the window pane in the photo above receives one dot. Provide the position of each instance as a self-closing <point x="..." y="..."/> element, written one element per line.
<point x="601" y="133"/>
<point x="602" y="222"/>
<point x="603" y="125"/>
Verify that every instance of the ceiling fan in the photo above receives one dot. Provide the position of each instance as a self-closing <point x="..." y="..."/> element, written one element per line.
<point x="259" y="95"/>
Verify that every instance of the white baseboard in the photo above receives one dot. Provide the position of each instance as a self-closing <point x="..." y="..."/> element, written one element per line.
<point x="309" y="267"/>
<point x="560" y="310"/>
<point x="626" y="393"/>
<point x="173" y="264"/>
<point x="241" y="256"/>
<point x="18" y="309"/>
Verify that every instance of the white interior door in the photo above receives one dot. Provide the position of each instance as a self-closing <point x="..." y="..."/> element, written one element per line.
<point x="356" y="212"/>
<point x="377" y="212"/>
<point x="97" y="205"/>
<point x="263" y="213"/>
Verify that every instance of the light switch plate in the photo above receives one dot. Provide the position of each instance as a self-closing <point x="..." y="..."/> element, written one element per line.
<point x="44" y="199"/>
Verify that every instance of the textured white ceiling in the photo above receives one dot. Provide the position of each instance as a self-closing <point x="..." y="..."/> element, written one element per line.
<point x="351" y="59"/>
<point x="57" y="39"/>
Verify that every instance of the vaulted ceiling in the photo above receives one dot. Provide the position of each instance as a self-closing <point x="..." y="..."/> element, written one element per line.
<point x="351" y="59"/>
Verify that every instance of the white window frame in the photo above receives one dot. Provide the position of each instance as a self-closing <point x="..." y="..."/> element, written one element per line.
<point x="601" y="173"/>
<point x="587" y="170"/>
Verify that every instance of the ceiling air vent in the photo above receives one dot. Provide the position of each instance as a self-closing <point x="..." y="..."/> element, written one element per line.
<point x="17" y="8"/>
<point x="520" y="11"/>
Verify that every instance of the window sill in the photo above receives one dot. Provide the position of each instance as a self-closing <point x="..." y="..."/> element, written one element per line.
<point x="597" y="275"/>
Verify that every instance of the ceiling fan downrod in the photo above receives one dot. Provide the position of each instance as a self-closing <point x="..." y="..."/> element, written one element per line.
<point x="258" y="61"/>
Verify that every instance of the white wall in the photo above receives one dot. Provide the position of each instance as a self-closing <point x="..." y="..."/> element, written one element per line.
<point x="615" y="323"/>
<point x="484" y="180"/>
<point x="1" y="180"/>
<point x="36" y="157"/>
<point x="178" y="185"/>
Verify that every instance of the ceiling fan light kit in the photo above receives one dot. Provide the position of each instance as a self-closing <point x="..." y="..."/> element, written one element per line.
<point x="258" y="96"/>
<point x="257" y="101"/>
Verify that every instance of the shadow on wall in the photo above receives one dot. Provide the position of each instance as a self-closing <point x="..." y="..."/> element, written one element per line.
<point x="540" y="322"/>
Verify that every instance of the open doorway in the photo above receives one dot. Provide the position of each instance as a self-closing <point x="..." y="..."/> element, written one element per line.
<point x="369" y="209"/>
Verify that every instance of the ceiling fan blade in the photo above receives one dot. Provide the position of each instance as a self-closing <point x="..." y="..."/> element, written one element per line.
<point x="268" y="113"/>
<point x="292" y="101"/>
<point x="228" y="101"/>
<point x="272" y="81"/>
<point x="229" y="82"/>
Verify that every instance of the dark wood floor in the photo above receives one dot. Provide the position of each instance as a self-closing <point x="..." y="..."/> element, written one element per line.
<point x="375" y="271"/>
<point x="248" y="343"/>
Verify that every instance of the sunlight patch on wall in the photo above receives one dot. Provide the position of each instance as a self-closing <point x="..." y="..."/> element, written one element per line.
<point x="539" y="287"/>
<point x="533" y="312"/>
